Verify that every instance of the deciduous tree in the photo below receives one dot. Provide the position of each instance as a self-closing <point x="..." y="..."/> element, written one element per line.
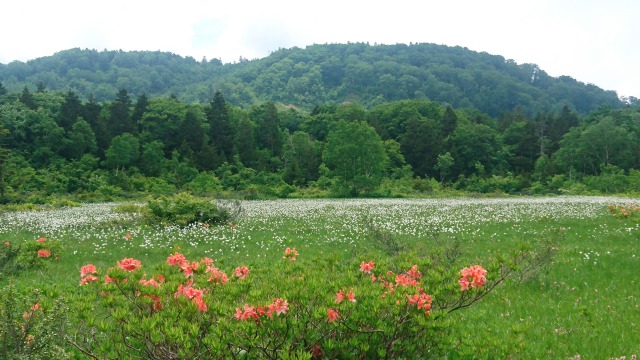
<point x="356" y="155"/>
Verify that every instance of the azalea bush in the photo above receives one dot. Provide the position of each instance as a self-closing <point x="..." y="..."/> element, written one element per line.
<point x="32" y="254"/>
<point x="32" y="325"/>
<point x="624" y="211"/>
<point x="321" y="307"/>
<point x="8" y="254"/>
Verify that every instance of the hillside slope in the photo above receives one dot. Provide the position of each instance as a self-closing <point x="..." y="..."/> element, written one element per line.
<point x="317" y="74"/>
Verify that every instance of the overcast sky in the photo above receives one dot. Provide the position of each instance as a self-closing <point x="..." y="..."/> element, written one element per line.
<point x="593" y="41"/>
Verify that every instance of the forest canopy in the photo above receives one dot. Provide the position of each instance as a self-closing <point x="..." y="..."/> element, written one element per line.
<point x="55" y="143"/>
<point x="316" y="75"/>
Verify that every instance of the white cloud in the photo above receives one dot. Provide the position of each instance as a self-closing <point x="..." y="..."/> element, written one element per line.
<point x="590" y="40"/>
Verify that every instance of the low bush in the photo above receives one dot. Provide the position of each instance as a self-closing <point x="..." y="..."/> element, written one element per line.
<point x="297" y="308"/>
<point x="28" y="255"/>
<point x="32" y="326"/>
<point x="183" y="209"/>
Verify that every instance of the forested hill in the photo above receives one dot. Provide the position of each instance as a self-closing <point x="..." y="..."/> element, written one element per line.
<point x="318" y="74"/>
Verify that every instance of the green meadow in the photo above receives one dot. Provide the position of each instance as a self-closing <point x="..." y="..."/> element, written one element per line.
<point x="583" y="304"/>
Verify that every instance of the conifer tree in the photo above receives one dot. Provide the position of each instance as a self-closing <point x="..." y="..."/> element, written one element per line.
<point x="27" y="99"/>
<point x="449" y="122"/>
<point x="120" y="117"/>
<point x="220" y="130"/>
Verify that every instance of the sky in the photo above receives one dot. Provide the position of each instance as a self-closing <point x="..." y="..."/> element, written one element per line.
<point x="593" y="41"/>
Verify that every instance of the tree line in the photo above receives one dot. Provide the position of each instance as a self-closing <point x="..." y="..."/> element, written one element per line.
<point x="54" y="143"/>
<point x="317" y="75"/>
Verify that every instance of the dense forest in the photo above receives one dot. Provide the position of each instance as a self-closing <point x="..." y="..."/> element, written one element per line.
<point x="330" y="74"/>
<point x="55" y="143"/>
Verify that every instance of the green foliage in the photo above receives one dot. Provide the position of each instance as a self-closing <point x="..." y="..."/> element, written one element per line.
<point x="30" y="255"/>
<point x="268" y="135"/>
<point x="158" y="186"/>
<point x="220" y="128"/>
<point x="47" y="204"/>
<point x="612" y="180"/>
<point x="302" y="157"/>
<point x="472" y="145"/>
<point x="296" y="308"/>
<point x="628" y="211"/>
<point x="129" y="208"/>
<point x="31" y="326"/>
<point x="444" y="165"/>
<point x="356" y="155"/>
<point x="81" y="140"/>
<point x="110" y="191"/>
<point x="588" y="148"/>
<point x="204" y="184"/>
<point x="508" y="184"/>
<point x="8" y="255"/>
<point x="183" y="209"/>
<point x="60" y="147"/>
<point x="555" y="313"/>
<point x="36" y="254"/>
<point x="56" y="202"/>
<point x="124" y="151"/>
<point x="314" y="75"/>
<point x="152" y="158"/>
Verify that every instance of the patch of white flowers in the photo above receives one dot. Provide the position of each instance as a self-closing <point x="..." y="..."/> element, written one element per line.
<point x="268" y="226"/>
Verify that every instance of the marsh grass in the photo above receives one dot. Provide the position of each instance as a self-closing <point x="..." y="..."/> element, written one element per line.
<point x="584" y="303"/>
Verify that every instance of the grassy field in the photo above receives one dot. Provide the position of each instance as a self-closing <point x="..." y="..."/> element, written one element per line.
<point x="585" y="303"/>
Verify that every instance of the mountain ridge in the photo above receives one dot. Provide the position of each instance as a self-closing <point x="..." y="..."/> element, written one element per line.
<point x="315" y="75"/>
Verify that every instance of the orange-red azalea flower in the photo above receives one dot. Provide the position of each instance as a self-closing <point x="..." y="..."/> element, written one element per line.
<point x="129" y="264"/>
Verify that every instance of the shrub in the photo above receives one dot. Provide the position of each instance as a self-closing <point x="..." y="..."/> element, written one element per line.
<point x="297" y="308"/>
<point x="22" y="207"/>
<point x="29" y="255"/>
<point x="129" y="208"/>
<point x="8" y="255"/>
<point x="154" y="185"/>
<point x="110" y="191"/>
<point x="612" y="180"/>
<point x="36" y="253"/>
<point x="625" y="211"/>
<point x="31" y="327"/>
<point x="184" y="209"/>
<point x="204" y="184"/>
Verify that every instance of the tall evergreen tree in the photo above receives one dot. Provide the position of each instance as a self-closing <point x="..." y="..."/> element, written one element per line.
<point x="522" y="144"/>
<point x="70" y="110"/>
<point x="449" y="122"/>
<point x="27" y="99"/>
<point x="138" y="111"/>
<point x="561" y="125"/>
<point x="302" y="157"/>
<point x="120" y="114"/>
<point x="90" y="112"/>
<point x="4" y="154"/>
<point x="420" y="144"/>
<point x="208" y="158"/>
<point x="191" y="135"/>
<point x="3" y="90"/>
<point x="542" y="122"/>
<point x="41" y="87"/>
<point x="220" y="129"/>
<point x="269" y="135"/>
<point x="245" y="143"/>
